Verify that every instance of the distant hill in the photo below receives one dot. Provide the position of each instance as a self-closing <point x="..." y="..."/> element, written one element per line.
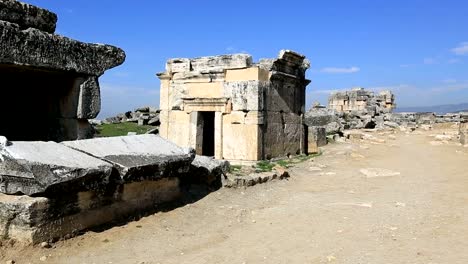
<point x="440" y="109"/>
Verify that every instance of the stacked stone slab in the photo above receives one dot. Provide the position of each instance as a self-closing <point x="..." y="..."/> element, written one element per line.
<point x="49" y="78"/>
<point x="55" y="189"/>
<point x="257" y="107"/>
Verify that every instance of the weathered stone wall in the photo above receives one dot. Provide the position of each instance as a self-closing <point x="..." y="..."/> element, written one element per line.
<point x="257" y="107"/>
<point x="48" y="77"/>
<point x="464" y="129"/>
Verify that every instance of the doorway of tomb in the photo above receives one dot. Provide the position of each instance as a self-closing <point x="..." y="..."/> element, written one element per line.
<point x="206" y="130"/>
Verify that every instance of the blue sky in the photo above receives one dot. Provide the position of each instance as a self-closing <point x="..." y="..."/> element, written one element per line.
<point x="418" y="49"/>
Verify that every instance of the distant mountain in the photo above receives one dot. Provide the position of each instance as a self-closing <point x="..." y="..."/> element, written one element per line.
<point x="440" y="109"/>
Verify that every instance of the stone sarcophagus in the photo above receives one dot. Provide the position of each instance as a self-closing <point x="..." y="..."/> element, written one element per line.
<point x="232" y="108"/>
<point x="49" y="82"/>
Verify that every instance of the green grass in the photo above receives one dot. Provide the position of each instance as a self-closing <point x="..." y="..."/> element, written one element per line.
<point x="264" y="166"/>
<point x="121" y="129"/>
<point x="235" y="168"/>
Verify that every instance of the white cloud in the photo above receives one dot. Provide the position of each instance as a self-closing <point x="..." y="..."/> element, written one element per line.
<point x="405" y="65"/>
<point x="340" y="70"/>
<point x="462" y="49"/>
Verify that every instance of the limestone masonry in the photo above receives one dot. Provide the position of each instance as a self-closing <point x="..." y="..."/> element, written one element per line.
<point x="231" y="108"/>
<point x="53" y="79"/>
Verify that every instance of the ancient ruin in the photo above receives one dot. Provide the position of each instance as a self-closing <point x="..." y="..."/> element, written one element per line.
<point x="231" y="108"/>
<point x="358" y="99"/>
<point x="464" y="128"/>
<point x="48" y="77"/>
<point x="50" y="185"/>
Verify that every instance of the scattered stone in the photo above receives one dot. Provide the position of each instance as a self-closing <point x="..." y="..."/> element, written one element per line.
<point x="45" y="245"/>
<point x="443" y="137"/>
<point x="10" y="262"/>
<point x="377" y="172"/>
<point x="237" y="181"/>
<point x="43" y="258"/>
<point x="153" y="131"/>
<point x="367" y="205"/>
<point x="315" y="169"/>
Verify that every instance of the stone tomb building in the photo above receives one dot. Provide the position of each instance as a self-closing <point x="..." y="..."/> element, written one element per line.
<point x="50" y="82"/>
<point x="231" y="108"/>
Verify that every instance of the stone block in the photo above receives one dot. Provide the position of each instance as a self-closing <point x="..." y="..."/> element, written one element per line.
<point x="38" y="168"/>
<point x="245" y="95"/>
<point x="89" y="101"/>
<point x="178" y="65"/>
<point x="138" y="157"/>
<point x="318" y="135"/>
<point x="27" y="16"/>
<point x="222" y="62"/>
<point x="38" y="219"/>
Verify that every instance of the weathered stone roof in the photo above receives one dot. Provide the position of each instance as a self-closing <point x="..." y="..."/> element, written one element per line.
<point x="27" y="39"/>
<point x="35" y="48"/>
<point x="27" y="16"/>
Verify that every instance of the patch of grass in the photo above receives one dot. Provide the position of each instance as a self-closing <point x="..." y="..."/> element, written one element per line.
<point x="297" y="159"/>
<point x="235" y="168"/>
<point x="265" y="166"/>
<point x="121" y="129"/>
<point x="284" y="163"/>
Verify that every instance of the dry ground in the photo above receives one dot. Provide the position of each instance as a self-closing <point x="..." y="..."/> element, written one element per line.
<point x="327" y="212"/>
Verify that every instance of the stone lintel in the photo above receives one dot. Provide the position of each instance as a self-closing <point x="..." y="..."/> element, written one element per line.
<point x="207" y="104"/>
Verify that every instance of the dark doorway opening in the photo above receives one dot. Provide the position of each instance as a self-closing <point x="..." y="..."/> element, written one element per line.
<point x="37" y="104"/>
<point x="208" y="145"/>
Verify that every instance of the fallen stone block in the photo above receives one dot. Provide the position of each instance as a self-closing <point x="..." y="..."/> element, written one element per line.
<point x="206" y="170"/>
<point x="39" y="168"/>
<point x="138" y="157"/>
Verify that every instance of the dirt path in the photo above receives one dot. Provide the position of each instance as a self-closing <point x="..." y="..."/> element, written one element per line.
<point x="328" y="212"/>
